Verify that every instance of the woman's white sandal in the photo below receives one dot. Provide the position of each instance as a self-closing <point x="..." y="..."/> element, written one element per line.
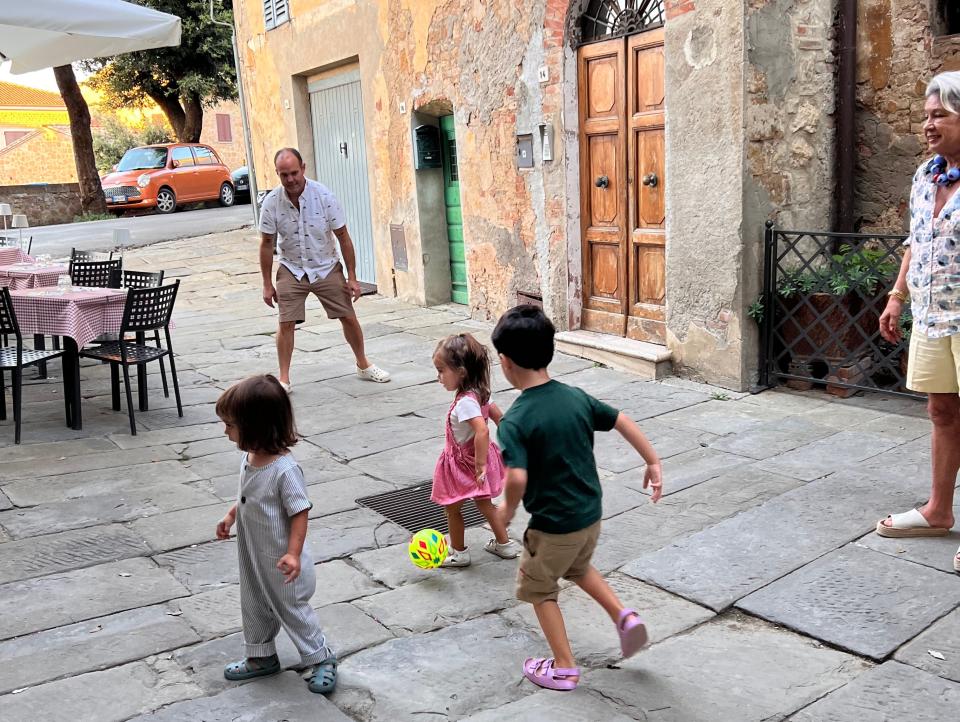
<point x="373" y="373"/>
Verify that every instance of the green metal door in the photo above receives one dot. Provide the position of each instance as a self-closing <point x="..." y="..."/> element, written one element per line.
<point x="451" y="194"/>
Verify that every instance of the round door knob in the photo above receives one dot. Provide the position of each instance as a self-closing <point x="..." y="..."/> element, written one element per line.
<point x="650" y="180"/>
<point x="602" y="182"/>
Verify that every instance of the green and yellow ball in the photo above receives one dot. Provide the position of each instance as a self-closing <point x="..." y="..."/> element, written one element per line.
<point x="428" y="549"/>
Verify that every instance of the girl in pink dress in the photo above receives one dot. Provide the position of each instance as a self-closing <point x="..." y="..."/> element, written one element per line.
<point x="470" y="466"/>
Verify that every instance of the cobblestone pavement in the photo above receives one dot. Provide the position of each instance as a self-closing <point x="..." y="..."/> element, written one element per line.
<point x="767" y="594"/>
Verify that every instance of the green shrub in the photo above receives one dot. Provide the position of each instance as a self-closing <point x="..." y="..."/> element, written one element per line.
<point x="114" y="138"/>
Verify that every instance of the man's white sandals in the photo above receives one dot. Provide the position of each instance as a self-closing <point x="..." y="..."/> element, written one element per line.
<point x="909" y="524"/>
<point x="286" y="387"/>
<point x="373" y="373"/>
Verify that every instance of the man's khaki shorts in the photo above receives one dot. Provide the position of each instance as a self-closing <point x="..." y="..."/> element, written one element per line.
<point x="933" y="365"/>
<point x="331" y="291"/>
<point x="547" y="558"/>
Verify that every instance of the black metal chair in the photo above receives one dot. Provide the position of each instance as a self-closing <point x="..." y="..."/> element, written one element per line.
<point x="94" y="274"/>
<point x="15" y="358"/>
<point x="146" y="309"/>
<point x="76" y="255"/>
<point x="120" y="278"/>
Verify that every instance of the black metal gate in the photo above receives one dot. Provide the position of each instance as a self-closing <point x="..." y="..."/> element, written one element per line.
<point x="819" y="312"/>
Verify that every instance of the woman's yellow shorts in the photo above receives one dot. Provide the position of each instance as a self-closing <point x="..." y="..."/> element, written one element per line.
<point x="933" y="366"/>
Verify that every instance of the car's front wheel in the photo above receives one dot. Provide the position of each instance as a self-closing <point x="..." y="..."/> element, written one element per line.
<point x="166" y="201"/>
<point x="226" y="195"/>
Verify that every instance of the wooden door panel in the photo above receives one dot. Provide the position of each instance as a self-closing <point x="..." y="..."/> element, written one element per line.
<point x="646" y="272"/>
<point x="603" y="211"/>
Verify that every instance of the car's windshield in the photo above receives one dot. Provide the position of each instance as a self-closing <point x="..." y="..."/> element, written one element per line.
<point x="143" y="159"/>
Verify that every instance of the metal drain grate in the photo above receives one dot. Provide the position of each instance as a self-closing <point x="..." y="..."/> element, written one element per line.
<point x="412" y="509"/>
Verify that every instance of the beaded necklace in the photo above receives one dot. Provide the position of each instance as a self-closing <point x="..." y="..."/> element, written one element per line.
<point x="941" y="174"/>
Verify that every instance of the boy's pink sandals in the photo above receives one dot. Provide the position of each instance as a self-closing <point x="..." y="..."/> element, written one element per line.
<point x="540" y="670"/>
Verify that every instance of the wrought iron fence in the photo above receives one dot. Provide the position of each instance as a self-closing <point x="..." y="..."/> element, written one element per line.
<point x="819" y="312"/>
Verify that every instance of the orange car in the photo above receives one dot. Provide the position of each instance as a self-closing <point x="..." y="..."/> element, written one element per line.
<point x="166" y="176"/>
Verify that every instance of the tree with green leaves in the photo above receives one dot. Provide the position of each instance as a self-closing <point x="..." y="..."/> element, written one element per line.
<point x="180" y="80"/>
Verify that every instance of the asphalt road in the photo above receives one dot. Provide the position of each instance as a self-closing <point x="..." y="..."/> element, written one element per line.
<point x="144" y="230"/>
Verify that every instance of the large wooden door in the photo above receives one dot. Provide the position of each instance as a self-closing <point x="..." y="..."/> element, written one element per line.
<point x="621" y="186"/>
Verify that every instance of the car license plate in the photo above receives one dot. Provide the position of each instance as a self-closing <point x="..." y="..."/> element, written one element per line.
<point x="119" y="199"/>
<point x="241" y="186"/>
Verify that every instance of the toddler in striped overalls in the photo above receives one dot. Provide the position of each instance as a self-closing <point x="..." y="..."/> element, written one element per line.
<point x="276" y="573"/>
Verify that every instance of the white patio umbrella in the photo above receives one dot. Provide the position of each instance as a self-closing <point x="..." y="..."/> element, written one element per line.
<point x="37" y="34"/>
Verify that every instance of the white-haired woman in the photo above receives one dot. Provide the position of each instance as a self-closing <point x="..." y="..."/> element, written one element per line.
<point x="930" y="279"/>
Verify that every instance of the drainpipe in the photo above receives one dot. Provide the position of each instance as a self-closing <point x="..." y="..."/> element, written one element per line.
<point x="846" y="156"/>
<point x="251" y="169"/>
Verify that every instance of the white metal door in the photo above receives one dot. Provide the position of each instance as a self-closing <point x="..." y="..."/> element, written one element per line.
<point x="341" y="159"/>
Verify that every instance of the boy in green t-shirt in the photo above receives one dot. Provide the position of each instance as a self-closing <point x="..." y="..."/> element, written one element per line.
<point x="547" y="442"/>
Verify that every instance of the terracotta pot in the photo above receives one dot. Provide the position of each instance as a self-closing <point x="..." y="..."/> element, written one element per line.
<point x="831" y="334"/>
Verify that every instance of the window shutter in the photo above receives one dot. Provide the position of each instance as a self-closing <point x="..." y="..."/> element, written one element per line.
<point x="224" y="132"/>
<point x="269" y="16"/>
<point x="281" y="12"/>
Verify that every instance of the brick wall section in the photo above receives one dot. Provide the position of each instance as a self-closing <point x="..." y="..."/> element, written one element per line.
<point x="897" y="54"/>
<point x="675" y="8"/>
<point x="45" y="156"/>
<point x="43" y="205"/>
<point x="233" y="154"/>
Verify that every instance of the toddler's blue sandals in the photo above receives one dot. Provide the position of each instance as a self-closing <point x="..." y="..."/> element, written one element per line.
<point x="252" y="667"/>
<point x="322" y="678"/>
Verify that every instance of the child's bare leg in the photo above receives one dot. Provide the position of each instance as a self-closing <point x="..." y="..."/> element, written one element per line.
<point x="455" y="522"/>
<point x="489" y="512"/>
<point x="551" y="622"/>
<point x="596" y="586"/>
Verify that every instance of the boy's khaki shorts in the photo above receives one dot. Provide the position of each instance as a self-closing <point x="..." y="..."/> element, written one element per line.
<point x="547" y="558"/>
<point x="933" y="365"/>
<point x="331" y="291"/>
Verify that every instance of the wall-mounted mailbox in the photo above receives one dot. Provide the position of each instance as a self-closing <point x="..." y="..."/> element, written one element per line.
<point x="525" y="151"/>
<point x="427" y="147"/>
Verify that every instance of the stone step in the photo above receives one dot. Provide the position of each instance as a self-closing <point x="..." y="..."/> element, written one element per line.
<point x="649" y="360"/>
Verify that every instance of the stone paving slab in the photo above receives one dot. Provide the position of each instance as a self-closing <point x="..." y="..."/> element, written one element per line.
<point x="448" y="597"/>
<point x="340" y="535"/>
<point x="91" y="645"/>
<point x="370" y="688"/>
<point x="694" y="467"/>
<point x="177" y="529"/>
<point x="376" y="436"/>
<point x="59" y="450"/>
<point x="29" y="469"/>
<point x="725" y="417"/>
<point x="942" y="637"/>
<point x="173" y="437"/>
<point x="405" y="465"/>
<point x="5" y="503"/>
<point x="934" y="552"/>
<point x="98" y="482"/>
<point x="891" y="691"/>
<point x="576" y="706"/>
<point x="65" y="598"/>
<point x="389" y="403"/>
<point x="67" y="550"/>
<point x="203" y="567"/>
<point x="615" y="454"/>
<point x="109" y="696"/>
<point x="858" y="599"/>
<point x="593" y="636"/>
<point x="282" y="697"/>
<point x="139" y="502"/>
<point x="734" y="668"/>
<point x="772" y="438"/>
<point x="727" y="561"/>
<point x="828" y="454"/>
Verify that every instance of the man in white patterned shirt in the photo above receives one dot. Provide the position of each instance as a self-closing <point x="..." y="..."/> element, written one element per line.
<point x="306" y="216"/>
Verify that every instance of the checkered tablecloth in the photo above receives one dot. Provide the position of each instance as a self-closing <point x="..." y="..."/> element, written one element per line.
<point x="20" y="276"/>
<point x="12" y="254"/>
<point x="80" y="313"/>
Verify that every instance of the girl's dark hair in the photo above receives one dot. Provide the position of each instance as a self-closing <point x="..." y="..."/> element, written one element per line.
<point x="260" y="410"/>
<point x="464" y="352"/>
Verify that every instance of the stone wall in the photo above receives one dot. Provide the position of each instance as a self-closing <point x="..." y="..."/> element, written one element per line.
<point x="44" y="205"/>
<point x="897" y="53"/>
<point x="45" y="156"/>
<point x="232" y="153"/>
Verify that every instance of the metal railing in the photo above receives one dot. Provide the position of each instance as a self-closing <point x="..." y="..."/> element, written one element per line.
<point x="819" y="311"/>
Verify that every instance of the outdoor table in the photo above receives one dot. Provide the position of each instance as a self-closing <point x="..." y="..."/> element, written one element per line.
<point x="28" y="274"/>
<point x="79" y="315"/>
<point x="13" y="254"/>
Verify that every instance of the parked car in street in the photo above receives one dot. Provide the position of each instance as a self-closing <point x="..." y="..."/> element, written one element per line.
<point x="241" y="184"/>
<point x="167" y="176"/>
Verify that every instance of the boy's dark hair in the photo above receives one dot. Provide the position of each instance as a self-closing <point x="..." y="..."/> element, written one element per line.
<point x="525" y="336"/>
<point x="260" y="410"/>
<point x="463" y="352"/>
